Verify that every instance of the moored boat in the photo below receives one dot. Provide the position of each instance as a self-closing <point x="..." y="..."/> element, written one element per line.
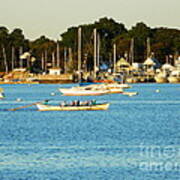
<point x="174" y="77"/>
<point x="130" y="93"/>
<point x="118" y="85"/>
<point x="131" y="79"/>
<point x="161" y="78"/>
<point x="93" y="90"/>
<point x="82" y="92"/>
<point x="1" y="93"/>
<point x="42" y="107"/>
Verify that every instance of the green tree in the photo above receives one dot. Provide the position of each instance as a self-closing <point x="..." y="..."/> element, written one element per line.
<point x="4" y="35"/>
<point x="140" y="32"/>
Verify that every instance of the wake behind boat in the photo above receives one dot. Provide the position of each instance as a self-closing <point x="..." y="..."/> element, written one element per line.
<point x="43" y="107"/>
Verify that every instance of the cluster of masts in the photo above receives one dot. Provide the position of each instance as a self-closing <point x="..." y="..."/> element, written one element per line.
<point x="55" y="57"/>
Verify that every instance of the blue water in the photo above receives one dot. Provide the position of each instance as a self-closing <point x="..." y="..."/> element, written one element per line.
<point x="138" y="138"/>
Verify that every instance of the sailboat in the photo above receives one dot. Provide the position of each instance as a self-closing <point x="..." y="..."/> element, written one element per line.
<point x="175" y="73"/>
<point x="174" y="77"/>
<point x="161" y="77"/>
<point x="131" y="78"/>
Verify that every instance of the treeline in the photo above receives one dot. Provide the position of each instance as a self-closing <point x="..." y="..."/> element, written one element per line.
<point x="163" y="42"/>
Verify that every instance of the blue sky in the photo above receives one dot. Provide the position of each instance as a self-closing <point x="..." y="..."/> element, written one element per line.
<point x="53" y="17"/>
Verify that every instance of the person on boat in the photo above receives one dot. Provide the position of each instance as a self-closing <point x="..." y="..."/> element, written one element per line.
<point x="93" y="102"/>
<point x="71" y="103"/>
<point x="78" y="103"/>
<point x="88" y="103"/>
<point x="84" y="103"/>
<point x="46" y="102"/>
<point x="63" y="104"/>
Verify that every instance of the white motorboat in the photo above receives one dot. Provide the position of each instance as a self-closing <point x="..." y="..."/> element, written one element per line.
<point x="78" y="91"/>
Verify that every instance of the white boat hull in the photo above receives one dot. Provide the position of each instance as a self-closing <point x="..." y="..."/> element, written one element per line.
<point x="1" y="96"/>
<point x="82" y="92"/>
<point x="115" y="90"/>
<point x="116" y="85"/>
<point x="130" y="93"/>
<point x="161" y="79"/>
<point x="173" y="79"/>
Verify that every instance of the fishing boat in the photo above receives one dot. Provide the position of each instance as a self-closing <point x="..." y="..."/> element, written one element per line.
<point x="42" y="107"/>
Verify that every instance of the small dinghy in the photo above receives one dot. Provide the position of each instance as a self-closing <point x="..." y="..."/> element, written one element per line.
<point x="130" y="93"/>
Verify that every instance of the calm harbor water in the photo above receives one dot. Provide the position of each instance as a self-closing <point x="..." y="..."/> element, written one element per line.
<point x="137" y="138"/>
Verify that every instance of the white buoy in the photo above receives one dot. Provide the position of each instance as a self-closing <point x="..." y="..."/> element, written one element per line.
<point x="157" y="90"/>
<point x="18" y="99"/>
<point x="53" y="94"/>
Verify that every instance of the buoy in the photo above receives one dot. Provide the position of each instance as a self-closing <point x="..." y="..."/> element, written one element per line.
<point x="53" y="94"/>
<point x="157" y="90"/>
<point x="18" y="99"/>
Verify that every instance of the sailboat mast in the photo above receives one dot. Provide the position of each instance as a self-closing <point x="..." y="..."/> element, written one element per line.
<point x="5" y="59"/>
<point x="12" y="57"/>
<point x="45" y="60"/>
<point x="20" y="53"/>
<point x="58" y="55"/>
<point x="65" y="60"/>
<point x="148" y="47"/>
<point x="95" y="51"/>
<point x="98" y="50"/>
<point x="132" y="51"/>
<point x="79" y="52"/>
<point x="114" y="58"/>
<point x="42" y="61"/>
<point x="70" y="57"/>
<point x="53" y="59"/>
